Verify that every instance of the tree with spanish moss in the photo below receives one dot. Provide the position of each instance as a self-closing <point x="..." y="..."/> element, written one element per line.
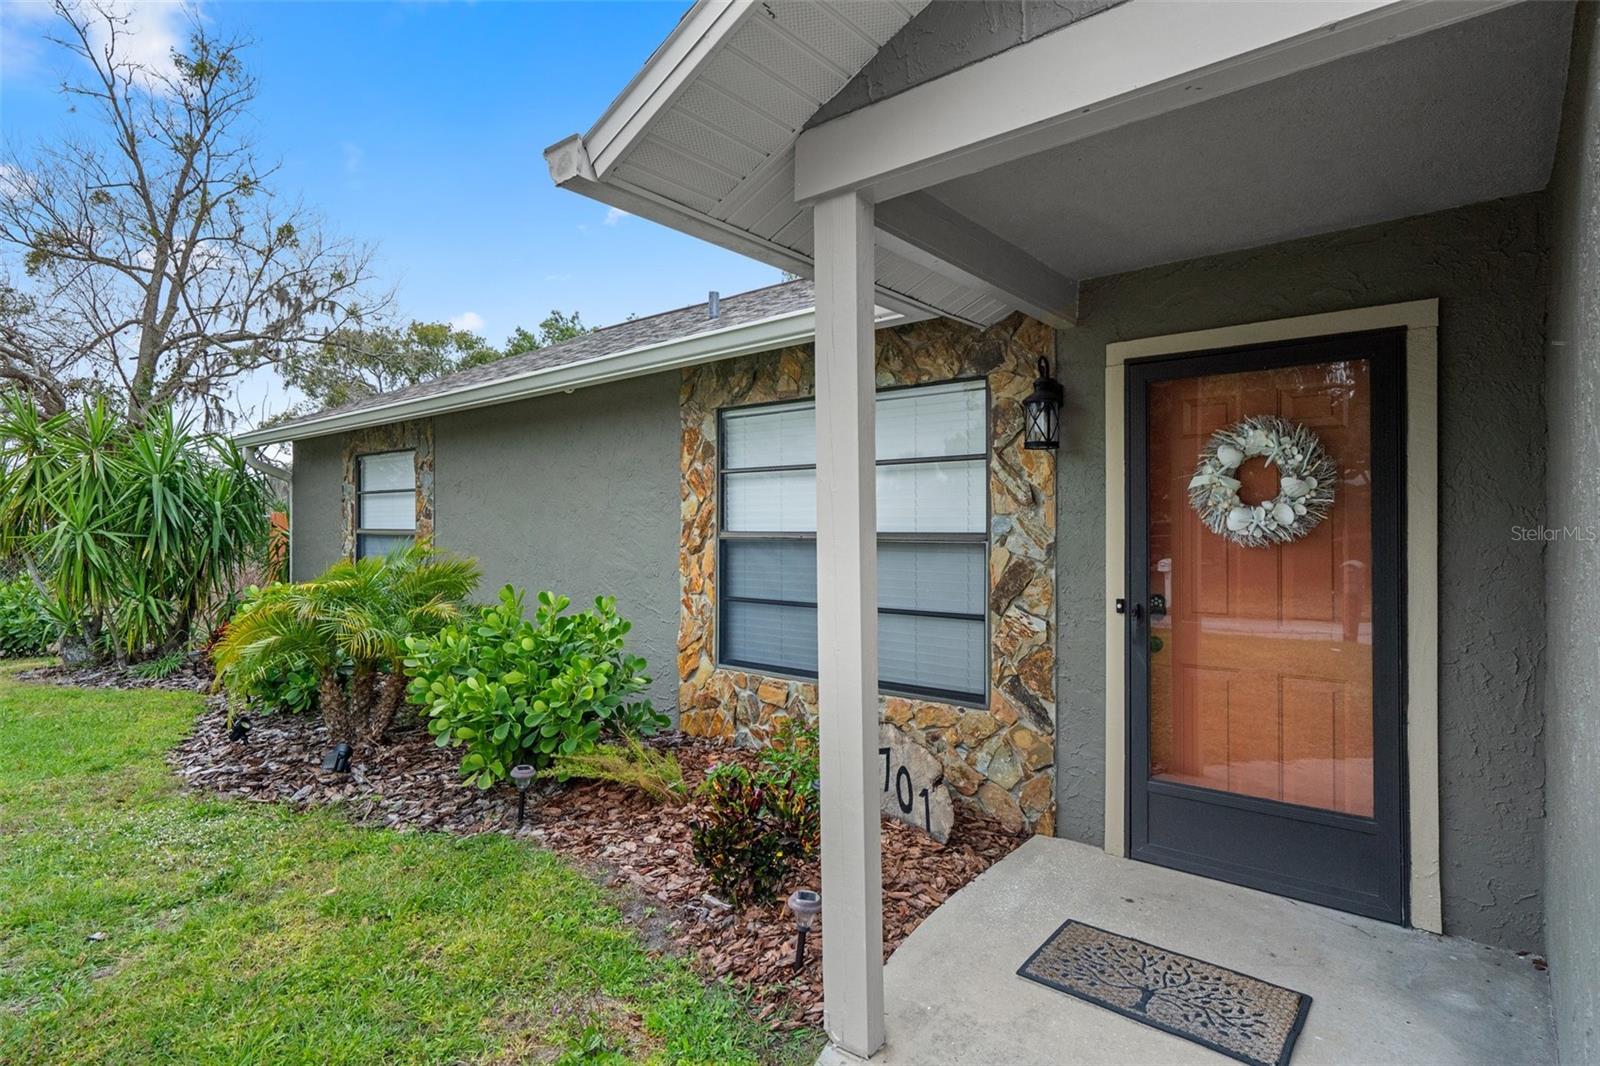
<point x="146" y="259"/>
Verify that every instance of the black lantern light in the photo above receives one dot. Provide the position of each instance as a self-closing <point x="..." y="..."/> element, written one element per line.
<point x="522" y="777"/>
<point x="806" y="905"/>
<point x="1041" y="411"/>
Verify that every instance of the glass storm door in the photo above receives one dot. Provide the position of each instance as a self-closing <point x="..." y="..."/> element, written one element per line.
<point x="1265" y="681"/>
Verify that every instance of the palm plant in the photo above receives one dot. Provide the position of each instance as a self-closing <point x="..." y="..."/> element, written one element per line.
<point x="134" y="530"/>
<point x="350" y="624"/>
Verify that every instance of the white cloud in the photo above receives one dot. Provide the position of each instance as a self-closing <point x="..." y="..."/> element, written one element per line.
<point x="151" y="30"/>
<point x="615" y="215"/>
<point x="149" y="36"/>
<point x="470" y="321"/>
<point x="13" y="180"/>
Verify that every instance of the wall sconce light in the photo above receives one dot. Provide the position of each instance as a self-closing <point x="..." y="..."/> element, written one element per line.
<point x="806" y="905"/>
<point x="522" y="777"/>
<point x="1041" y="411"/>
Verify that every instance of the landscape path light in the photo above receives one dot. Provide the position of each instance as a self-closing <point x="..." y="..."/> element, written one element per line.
<point x="806" y="905"/>
<point x="522" y="777"/>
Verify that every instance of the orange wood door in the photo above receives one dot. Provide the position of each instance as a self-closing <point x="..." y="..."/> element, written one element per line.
<point x="1261" y="669"/>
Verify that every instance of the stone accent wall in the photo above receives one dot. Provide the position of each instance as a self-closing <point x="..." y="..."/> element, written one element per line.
<point x="417" y="435"/>
<point x="999" y="757"/>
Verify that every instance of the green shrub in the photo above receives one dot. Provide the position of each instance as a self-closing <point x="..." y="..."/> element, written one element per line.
<point x="351" y="625"/>
<point x="516" y="691"/>
<point x="26" y="627"/>
<point x="793" y="782"/>
<point x="735" y="838"/>
<point x="655" y="773"/>
<point x="160" y="667"/>
<point x="755" y="827"/>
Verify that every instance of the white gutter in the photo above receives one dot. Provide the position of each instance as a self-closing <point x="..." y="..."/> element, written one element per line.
<point x="762" y="335"/>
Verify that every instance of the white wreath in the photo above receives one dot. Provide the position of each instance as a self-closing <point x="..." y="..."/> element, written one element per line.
<point x="1306" y="479"/>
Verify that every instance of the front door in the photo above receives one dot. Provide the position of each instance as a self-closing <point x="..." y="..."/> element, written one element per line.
<point x="1264" y="620"/>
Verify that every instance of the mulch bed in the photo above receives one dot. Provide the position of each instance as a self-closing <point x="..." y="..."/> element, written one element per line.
<point x="193" y="676"/>
<point x="625" y="838"/>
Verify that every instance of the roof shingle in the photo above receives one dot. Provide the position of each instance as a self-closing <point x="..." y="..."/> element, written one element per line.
<point x="668" y="326"/>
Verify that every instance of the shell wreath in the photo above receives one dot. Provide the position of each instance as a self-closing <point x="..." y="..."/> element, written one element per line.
<point x="1306" y="480"/>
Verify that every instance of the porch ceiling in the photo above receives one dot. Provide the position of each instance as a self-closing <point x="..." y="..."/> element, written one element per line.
<point x="1458" y="115"/>
<point x="703" y="139"/>
<point x="1330" y="115"/>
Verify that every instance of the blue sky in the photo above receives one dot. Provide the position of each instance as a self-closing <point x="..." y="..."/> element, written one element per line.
<point x="420" y="127"/>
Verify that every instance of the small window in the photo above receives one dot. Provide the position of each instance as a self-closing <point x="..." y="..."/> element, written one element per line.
<point x="932" y="540"/>
<point x="386" y="503"/>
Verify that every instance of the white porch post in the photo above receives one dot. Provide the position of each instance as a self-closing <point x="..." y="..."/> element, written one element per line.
<point x="847" y="625"/>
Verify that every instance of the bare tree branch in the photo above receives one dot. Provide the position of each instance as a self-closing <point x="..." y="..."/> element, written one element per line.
<point x="149" y="261"/>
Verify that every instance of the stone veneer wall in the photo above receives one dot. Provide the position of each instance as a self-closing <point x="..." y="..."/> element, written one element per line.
<point x="416" y="435"/>
<point x="998" y="758"/>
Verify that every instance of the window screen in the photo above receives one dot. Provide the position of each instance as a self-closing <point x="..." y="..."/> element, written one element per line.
<point x="386" y="502"/>
<point x="932" y="539"/>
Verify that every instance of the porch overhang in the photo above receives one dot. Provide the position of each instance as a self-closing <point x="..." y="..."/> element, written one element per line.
<point x="1146" y="133"/>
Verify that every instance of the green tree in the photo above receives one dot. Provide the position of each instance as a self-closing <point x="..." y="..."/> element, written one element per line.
<point x="355" y="363"/>
<point x="556" y="327"/>
<point x="135" y="531"/>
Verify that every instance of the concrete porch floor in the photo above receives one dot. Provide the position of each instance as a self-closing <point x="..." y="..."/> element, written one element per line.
<point x="1380" y="994"/>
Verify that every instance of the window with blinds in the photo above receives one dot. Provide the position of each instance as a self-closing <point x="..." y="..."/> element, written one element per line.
<point x="386" y="502"/>
<point x="932" y="540"/>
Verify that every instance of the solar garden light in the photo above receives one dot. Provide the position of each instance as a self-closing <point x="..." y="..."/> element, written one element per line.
<point x="338" y="760"/>
<point x="806" y="905"/>
<point x="522" y="777"/>
<point x="1041" y="411"/>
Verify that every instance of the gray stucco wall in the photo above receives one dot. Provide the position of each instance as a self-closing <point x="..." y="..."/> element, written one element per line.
<point x="948" y="35"/>
<point x="574" y="493"/>
<point x="315" y="506"/>
<point x="1485" y="265"/>
<point x="1572" y="566"/>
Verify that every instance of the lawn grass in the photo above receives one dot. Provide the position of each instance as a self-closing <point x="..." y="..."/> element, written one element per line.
<point x="142" y="924"/>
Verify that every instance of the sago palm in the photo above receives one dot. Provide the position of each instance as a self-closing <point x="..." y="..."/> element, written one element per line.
<point x="350" y="624"/>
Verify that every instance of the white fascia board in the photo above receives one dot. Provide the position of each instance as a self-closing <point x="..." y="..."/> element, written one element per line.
<point x="779" y="331"/>
<point x="692" y="42"/>
<point x="1131" y="62"/>
<point x="571" y="169"/>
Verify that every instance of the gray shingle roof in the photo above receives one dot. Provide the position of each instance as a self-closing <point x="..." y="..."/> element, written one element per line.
<point x="737" y="310"/>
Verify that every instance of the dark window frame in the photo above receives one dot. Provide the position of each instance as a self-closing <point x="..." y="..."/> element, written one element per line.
<point x="723" y="535"/>
<point x="362" y="532"/>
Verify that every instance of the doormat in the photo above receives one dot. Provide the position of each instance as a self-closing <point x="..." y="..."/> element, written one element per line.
<point x="1226" y="1011"/>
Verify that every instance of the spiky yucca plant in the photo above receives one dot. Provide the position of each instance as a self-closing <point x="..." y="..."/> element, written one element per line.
<point x="351" y="625"/>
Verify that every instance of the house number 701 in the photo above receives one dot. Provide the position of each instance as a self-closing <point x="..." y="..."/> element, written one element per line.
<point x="906" y="792"/>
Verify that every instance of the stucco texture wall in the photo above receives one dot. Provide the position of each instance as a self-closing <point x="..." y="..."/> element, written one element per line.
<point x="1572" y="565"/>
<point x="1485" y="265"/>
<point x="574" y="493"/>
<point x="316" y="506"/>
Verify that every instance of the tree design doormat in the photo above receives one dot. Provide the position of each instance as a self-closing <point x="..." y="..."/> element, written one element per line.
<point x="1237" y="1015"/>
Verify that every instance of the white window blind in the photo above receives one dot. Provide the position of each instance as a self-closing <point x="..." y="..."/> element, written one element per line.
<point x="932" y="484"/>
<point x="386" y="502"/>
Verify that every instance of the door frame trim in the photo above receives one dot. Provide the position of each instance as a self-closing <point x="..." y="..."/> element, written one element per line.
<point x="1420" y="320"/>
